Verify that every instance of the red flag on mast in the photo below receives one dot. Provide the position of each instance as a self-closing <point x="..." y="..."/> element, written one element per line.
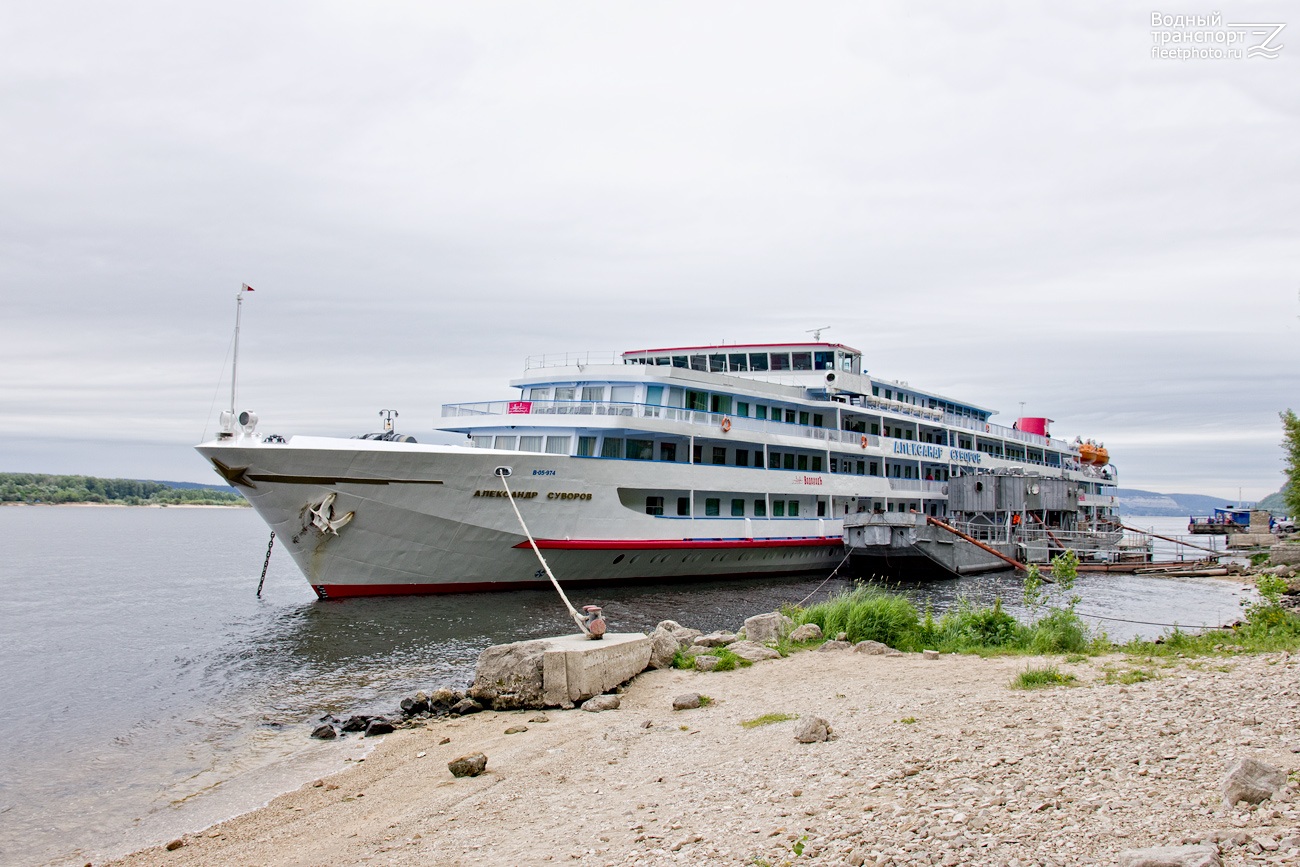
<point x="247" y="288"/>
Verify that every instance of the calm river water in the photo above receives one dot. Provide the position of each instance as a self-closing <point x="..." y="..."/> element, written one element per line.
<point x="147" y="691"/>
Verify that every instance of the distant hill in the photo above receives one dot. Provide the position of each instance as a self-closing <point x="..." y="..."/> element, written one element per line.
<point x="49" y="489"/>
<point x="192" y="486"/>
<point x="1135" y="502"/>
<point x="1275" y="504"/>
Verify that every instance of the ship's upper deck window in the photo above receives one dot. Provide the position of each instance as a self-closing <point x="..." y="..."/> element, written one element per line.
<point x="753" y="358"/>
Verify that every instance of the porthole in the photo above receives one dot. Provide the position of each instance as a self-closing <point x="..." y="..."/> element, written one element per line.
<point x="619" y="559"/>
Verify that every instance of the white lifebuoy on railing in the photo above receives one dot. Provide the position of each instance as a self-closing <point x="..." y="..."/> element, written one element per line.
<point x="726" y="424"/>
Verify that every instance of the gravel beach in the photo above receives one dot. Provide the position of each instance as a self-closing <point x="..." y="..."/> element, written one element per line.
<point x="931" y="761"/>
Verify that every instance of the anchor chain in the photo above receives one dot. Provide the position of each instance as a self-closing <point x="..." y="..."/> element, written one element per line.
<point x="265" y="564"/>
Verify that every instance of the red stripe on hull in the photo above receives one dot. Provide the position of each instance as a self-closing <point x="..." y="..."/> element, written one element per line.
<point x="680" y="544"/>
<point x="351" y="591"/>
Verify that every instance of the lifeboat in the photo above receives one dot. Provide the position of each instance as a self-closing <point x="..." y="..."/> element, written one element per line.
<point x="1103" y="457"/>
<point x="1088" y="453"/>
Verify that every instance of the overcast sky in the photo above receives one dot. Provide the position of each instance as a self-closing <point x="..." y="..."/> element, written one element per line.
<point x="1003" y="202"/>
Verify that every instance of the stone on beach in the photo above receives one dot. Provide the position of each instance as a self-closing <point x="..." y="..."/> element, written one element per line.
<point x="716" y="639"/>
<point x="767" y="628"/>
<point x="688" y="701"/>
<point x="1251" y="781"/>
<point x="753" y="652"/>
<point x="412" y="705"/>
<point x="378" y="726"/>
<point x="324" y="732"/>
<point x="470" y="765"/>
<point x="806" y="632"/>
<point x="668" y="638"/>
<point x="356" y="723"/>
<point x="444" y="699"/>
<point x="1171" y="856"/>
<point x="831" y="646"/>
<point x="707" y="662"/>
<point x="875" y="648"/>
<point x="466" y="706"/>
<point x="598" y="703"/>
<point x="813" y="730"/>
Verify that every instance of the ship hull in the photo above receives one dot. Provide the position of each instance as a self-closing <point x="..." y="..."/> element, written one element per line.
<point x="372" y="519"/>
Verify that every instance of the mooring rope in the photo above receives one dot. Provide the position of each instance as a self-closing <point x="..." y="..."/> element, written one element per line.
<point x="573" y="612"/>
<point x="1150" y="622"/>
<point x="800" y="603"/>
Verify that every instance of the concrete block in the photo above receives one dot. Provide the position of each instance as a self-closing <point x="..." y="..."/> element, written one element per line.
<point x="575" y="668"/>
<point x="1251" y="540"/>
<point x="1288" y="555"/>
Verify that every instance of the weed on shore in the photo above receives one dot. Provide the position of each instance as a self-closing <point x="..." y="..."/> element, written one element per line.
<point x="1040" y="678"/>
<point x="870" y="612"/>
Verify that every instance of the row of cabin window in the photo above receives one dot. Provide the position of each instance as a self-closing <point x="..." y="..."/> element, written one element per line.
<point x="554" y="445"/>
<point x="696" y="401"/>
<point x="933" y="403"/>
<point x="713" y="507"/>
<point x="741" y="362"/>
<point x="638" y="449"/>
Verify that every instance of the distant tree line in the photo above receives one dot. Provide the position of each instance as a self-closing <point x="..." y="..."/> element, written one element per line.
<point x="40" y="488"/>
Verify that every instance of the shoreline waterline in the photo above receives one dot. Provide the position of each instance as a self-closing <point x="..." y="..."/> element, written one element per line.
<point x="1110" y="764"/>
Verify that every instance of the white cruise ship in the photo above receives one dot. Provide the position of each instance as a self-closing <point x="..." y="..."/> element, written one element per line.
<point x="653" y="465"/>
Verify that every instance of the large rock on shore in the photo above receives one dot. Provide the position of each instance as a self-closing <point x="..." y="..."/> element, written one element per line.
<point x="752" y="651"/>
<point x="767" y="628"/>
<point x="561" y="671"/>
<point x="509" y="676"/>
<point x="668" y="638"/>
<point x="1251" y="781"/>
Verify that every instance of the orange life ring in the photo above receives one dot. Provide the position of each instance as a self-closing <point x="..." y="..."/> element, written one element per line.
<point x="726" y="424"/>
<point x="864" y="441"/>
<point x="986" y="428"/>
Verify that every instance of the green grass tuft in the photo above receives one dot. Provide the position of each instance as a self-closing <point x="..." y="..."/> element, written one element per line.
<point x="767" y="719"/>
<point x="1041" y="678"/>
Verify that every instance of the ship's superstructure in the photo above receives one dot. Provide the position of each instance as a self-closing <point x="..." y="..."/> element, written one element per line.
<point x="651" y="465"/>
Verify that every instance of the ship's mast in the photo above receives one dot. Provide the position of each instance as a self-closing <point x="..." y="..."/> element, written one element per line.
<point x="234" y="365"/>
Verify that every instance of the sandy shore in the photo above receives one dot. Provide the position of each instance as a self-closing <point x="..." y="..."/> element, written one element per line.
<point x="932" y="762"/>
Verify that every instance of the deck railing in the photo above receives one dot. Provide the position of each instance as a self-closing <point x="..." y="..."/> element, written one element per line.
<point x="694" y="416"/>
<point x="667" y="413"/>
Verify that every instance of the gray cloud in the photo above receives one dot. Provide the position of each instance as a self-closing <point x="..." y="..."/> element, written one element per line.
<point x="1005" y="203"/>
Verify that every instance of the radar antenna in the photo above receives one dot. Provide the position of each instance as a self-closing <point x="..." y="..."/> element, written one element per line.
<point x="388" y="415"/>
<point x="817" y="332"/>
